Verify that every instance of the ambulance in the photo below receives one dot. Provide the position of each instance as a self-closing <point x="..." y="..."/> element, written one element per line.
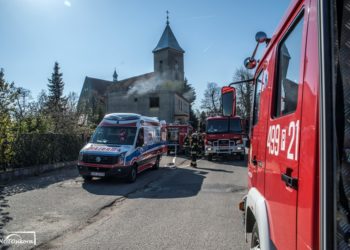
<point x="299" y="156"/>
<point x="123" y="145"/>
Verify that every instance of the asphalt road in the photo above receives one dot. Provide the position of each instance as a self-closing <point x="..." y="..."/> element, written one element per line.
<point x="175" y="207"/>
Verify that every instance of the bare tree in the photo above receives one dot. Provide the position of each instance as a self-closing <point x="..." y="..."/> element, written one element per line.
<point x="211" y="103"/>
<point x="244" y="92"/>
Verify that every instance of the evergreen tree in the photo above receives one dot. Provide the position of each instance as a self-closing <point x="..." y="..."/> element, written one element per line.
<point x="56" y="86"/>
<point x="56" y="101"/>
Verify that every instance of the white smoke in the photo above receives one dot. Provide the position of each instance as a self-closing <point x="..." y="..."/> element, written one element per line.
<point x="146" y="85"/>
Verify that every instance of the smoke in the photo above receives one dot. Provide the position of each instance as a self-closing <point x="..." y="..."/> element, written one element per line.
<point x="146" y="85"/>
<point x="190" y="95"/>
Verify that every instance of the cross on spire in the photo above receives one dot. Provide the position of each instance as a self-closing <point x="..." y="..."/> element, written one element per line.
<point x="167" y="17"/>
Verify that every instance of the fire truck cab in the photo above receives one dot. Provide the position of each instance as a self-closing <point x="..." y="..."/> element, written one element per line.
<point x="299" y="154"/>
<point x="224" y="136"/>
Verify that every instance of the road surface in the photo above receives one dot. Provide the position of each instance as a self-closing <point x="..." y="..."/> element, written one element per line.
<point x="175" y="207"/>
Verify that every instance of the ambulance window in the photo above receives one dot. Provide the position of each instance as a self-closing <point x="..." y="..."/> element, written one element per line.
<point x="257" y="92"/>
<point x="288" y="78"/>
<point x="140" y="138"/>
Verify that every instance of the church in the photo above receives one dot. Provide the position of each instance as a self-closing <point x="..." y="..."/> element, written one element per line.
<point x="157" y="94"/>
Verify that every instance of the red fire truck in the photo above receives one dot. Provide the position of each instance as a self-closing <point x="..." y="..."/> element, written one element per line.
<point x="224" y="136"/>
<point x="176" y="134"/>
<point x="299" y="155"/>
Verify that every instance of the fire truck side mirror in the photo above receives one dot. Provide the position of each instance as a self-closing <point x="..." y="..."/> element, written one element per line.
<point x="228" y="101"/>
<point x="261" y="37"/>
<point x="249" y="63"/>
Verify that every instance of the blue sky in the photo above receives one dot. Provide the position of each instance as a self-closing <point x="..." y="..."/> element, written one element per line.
<point x="92" y="37"/>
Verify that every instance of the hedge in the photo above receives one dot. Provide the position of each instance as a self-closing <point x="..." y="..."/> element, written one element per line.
<point x="36" y="149"/>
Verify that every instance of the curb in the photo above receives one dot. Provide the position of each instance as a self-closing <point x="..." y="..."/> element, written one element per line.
<point x="19" y="173"/>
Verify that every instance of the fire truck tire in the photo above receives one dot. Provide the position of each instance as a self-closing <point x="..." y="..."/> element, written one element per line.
<point x="241" y="157"/>
<point x="210" y="157"/>
<point x="255" y="243"/>
<point x="87" y="177"/>
<point x="156" y="165"/>
<point x="133" y="174"/>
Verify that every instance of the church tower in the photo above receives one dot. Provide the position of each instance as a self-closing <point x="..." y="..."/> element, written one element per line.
<point x="169" y="56"/>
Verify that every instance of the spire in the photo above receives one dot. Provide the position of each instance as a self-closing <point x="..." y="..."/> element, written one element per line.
<point x="115" y="76"/>
<point x="168" y="39"/>
<point x="167" y="17"/>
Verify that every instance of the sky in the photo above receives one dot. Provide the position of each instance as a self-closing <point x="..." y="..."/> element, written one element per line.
<point x="93" y="37"/>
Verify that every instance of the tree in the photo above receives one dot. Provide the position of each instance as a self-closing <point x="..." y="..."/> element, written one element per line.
<point x="202" y="120"/>
<point x="244" y="92"/>
<point x="189" y="92"/>
<point x="211" y="103"/>
<point x="56" y="101"/>
<point x="193" y="119"/>
<point x="8" y="96"/>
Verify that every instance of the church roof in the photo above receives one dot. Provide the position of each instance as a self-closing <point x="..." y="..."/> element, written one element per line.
<point x="98" y="85"/>
<point x="128" y="82"/>
<point x="168" y="40"/>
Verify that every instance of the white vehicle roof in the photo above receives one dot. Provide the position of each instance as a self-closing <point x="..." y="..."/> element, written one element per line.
<point x="127" y="118"/>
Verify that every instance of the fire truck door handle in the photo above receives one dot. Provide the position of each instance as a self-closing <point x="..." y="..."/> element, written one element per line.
<point x="254" y="161"/>
<point x="290" y="181"/>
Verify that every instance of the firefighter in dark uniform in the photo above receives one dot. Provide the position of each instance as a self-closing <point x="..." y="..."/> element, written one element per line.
<point x="187" y="144"/>
<point x="200" y="144"/>
<point x="194" y="143"/>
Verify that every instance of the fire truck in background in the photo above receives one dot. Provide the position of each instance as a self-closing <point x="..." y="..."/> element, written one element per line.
<point x="224" y="136"/>
<point x="299" y="154"/>
<point x="176" y="134"/>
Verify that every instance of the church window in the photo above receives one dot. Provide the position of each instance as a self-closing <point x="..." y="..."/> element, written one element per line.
<point x="160" y="66"/>
<point x="176" y="71"/>
<point x="154" y="102"/>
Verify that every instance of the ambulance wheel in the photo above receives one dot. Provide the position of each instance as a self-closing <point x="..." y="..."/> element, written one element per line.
<point x="255" y="244"/>
<point x="133" y="174"/>
<point x="210" y="157"/>
<point x="87" y="177"/>
<point x="156" y="165"/>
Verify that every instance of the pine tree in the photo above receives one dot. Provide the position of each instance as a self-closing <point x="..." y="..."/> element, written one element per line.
<point x="56" y="101"/>
<point x="56" y="86"/>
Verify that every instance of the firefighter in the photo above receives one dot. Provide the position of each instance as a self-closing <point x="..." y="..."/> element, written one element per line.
<point x="186" y="144"/>
<point x="194" y="143"/>
<point x="200" y="144"/>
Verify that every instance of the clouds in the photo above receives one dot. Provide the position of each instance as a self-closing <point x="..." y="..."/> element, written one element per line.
<point x="67" y="3"/>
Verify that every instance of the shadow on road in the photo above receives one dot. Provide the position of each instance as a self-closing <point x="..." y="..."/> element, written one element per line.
<point x="174" y="183"/>
<point x="215" y="170"/>
<point x="236" y="163"/>
<point x="4" y="216"/>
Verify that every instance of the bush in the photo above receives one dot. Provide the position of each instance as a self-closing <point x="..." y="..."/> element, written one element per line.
<point x="36" y="149"/>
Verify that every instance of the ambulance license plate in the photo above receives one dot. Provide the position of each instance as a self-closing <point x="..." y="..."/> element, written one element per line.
<point x="99" y="174"/>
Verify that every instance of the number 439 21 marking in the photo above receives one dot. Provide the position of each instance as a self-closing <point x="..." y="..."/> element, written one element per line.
<point x="278" y="138"/>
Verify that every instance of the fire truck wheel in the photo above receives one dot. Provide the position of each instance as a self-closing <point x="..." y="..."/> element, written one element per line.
<point x="87" y="177"/>
<point x="255" y="244"/>
<point x="156" y="165"/>
<point x="241" y="157"/>
<point x="133" y="174"/>
<point x="210" y="157"/>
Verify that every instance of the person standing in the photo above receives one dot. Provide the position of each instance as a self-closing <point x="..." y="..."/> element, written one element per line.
<point x="194" y="144"/>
